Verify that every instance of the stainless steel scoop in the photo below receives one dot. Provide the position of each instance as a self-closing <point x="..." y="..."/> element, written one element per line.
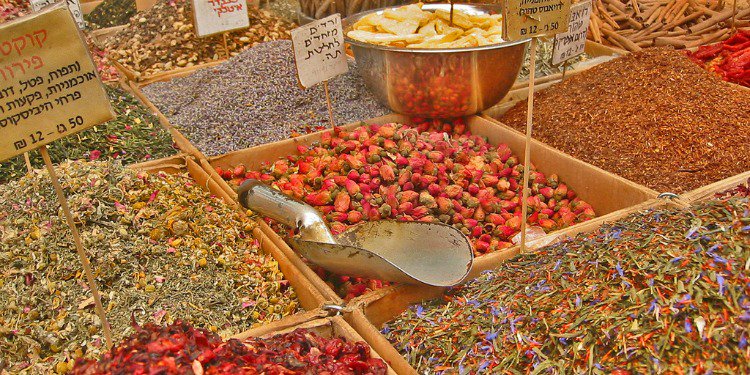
<point x="407" y="252"/>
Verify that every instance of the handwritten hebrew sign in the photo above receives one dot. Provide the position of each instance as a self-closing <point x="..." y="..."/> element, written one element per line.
<point x="573" y="42"/>
<point x="49" y="87"/>
<point x="529" y="18"/>
<point x="218" y="16"/>
<point x="319" y="50"/>
<point x="73" y="5"/>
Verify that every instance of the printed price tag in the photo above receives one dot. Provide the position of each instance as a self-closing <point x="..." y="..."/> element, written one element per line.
<point x="573" y="42"/>
<point x="49" y="87"/>
<point x="73" y="5"/>
<point x="218" y="16"/>
<point x="319" y="50"/>
<point x="530" y="18"/>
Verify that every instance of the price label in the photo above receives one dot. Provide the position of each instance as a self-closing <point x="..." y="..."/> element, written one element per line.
<point x="319" y="50"/>
<point x="573" y="42"/>
<point x="49" y="87"/>
<point x="218" y="16"/>
<point x="530" y="18"/>
<point x="73" y="5"/>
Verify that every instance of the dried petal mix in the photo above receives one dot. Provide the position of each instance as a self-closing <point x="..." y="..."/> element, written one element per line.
<point x="662" y="291"/>
<point x="161" y="249"/>
<point x="182" y="349"/>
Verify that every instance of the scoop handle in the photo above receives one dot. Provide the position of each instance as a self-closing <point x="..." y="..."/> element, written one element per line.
<point x="270" y="202"/>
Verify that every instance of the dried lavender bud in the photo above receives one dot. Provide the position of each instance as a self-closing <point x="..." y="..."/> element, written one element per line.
<point x="254" y="99"/>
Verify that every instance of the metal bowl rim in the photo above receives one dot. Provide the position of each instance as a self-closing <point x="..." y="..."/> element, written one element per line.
<point x="348" y="21"/>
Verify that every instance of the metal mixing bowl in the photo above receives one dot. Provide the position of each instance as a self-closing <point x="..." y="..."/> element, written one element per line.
<point x="438" y="83"/>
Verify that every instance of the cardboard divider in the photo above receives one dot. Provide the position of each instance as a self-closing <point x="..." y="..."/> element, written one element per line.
<point x="592" y="49"/>
<point x="708" y="191"/>
<point x="144" y="80"/>
<point x="88" y="6"/>
<point x="606" y="192"/>
<point x="176" y="73"/>
<point x="316" y="321"/>
<point x="309" y="296"/>
<point x="382" y="306"/>
<point x="98" y="36"/>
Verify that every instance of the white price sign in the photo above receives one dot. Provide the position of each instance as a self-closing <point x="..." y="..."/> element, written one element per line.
<point x="573" y="42"/>
<point x="319" y="50"/>
<point x="73" y="5"/>
<point x="218" y="16"/>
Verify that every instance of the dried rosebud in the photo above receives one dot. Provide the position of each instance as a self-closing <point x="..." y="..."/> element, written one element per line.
<point x="386" y="173"/>
<point x="561" y="192"/>
<point x="427" y="200"/>
<point x="453" y="191"/>
<point x="385" y="210"/>
<point x="342" y="202"/>
<point x="318" y="199"/>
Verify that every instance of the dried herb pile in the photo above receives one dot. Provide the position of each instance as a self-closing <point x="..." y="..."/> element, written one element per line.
<point x="661" y="291"/>
<point x="653" y="117"/>
<point x="12" y="9"/>
<point x="107" y="72"/>
<point x="180" y="348"/>
<point x="135" y="135"/>
<point x="254" y="98"/>
<point x="111" y="13"/>
<point x="431" y="172"/>
<point x="730" y="59"/>
<point x="163" y="38"/>
<point x="161" y="249"/>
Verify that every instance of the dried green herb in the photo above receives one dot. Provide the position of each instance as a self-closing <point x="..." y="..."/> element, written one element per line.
<point x="661" y="291"/>
<point x="161" y="249"/>
<point x="135" y="135"/>
<point x="111" y="13"/>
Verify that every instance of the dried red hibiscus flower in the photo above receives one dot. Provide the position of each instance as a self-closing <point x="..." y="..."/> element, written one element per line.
<point x="181" y="349"/>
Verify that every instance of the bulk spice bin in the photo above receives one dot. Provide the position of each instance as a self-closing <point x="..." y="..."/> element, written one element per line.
<point x="318" y="321"/>
<point x="311" y="342"/>
<point x="654" y="289"/>
<point x="52" y="307"/>
<point x="172" y="45"/>
<point x="605" y="192"/>
<point x="656" y="94"/>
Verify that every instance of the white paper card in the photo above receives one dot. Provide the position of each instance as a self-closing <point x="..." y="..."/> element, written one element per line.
<point x="218" y="16"/>
<point x="319" y="50"/>
<point x="73" y="5"/>
<point x="573" y="42"/>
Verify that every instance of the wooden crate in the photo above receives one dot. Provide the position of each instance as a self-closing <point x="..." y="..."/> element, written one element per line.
<point x="98" y="36"/>
<point x="607" y="193"/>
<point x="316" y="321"/>
<point x="309" y="296"/>
<point x="593" y="49"/>
<point x="708" y="191"/>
